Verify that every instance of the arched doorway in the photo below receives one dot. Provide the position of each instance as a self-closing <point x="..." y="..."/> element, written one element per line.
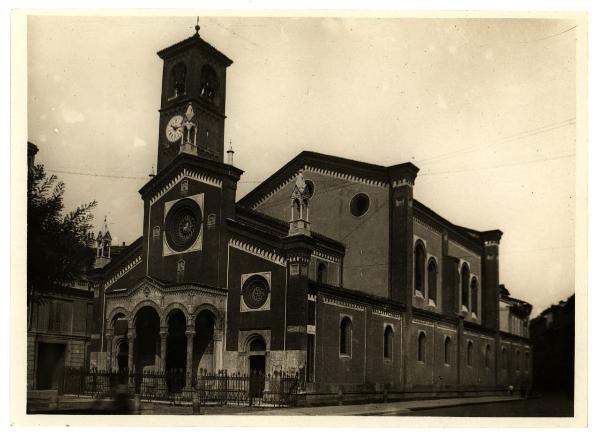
<point x="147" y="325"/>
<point x="257" y="349"/>
<point x="176" y="350"/>
<point x="146" y="343"/>
<point x="204" y="326"/>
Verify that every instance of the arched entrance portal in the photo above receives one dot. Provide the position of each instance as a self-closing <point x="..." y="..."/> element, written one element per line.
<point x="175" y="362"/>
<point x="147" y="341"/>
<point x="256" y="363"/>
<point x="204" y="341"/>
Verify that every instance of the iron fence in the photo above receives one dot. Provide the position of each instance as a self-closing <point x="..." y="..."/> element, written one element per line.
<point x="207" y="388"/>
<point x="255" y="389"/>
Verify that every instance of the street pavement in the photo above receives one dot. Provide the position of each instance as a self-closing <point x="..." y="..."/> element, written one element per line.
<point x="390" y="408"/>
<point x="547" y="405"/>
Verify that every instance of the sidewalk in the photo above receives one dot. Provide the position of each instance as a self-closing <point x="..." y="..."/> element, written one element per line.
<point x="383" y="408"/>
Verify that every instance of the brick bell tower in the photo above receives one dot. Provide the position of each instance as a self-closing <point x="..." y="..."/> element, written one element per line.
<point x="192" y="108"/>
<point x="193" y="192"/>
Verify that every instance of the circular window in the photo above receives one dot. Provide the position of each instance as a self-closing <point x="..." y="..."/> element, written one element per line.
<point x="310" y="188"/>
<point x="359" y="204"/>
<point x="255" y="292"/>
<point x="183" y="224"/>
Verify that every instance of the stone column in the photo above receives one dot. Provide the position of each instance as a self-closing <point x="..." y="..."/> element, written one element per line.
<point x="189" y="334"/>
<point x="109" y="350"/>
<point x="217" y="350"/>
<point x="164" y="332"/>
<point x="131" y="341"/>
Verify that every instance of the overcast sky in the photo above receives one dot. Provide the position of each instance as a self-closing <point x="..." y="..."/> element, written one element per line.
<point x="485" y="108"/>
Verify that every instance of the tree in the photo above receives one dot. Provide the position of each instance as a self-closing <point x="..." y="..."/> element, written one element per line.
<point x="58" y="249"/>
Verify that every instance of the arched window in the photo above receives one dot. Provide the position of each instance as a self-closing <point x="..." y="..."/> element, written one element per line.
<point x="464" y="285"/>
<point x="177" y="80"/>
<point x="432" y="279"/>
<point x="421" y="347"/>
<point x="322" y="273"/>
<point x="504" y="359"/>
<point x="209" y="84"/>
<point x="346" y="337"/>
<point x="257" y="345"/>
<point x="469" y="353"/>
<point x="518" y="360"/>
<point x="474" y="295"/>
<point x="486" y="356"/>
<point x="419" y="267"/>
<point x="447" y="350"/>
<point x="388" y="342"/>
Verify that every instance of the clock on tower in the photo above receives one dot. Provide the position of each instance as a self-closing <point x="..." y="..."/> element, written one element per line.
<point x="194" y="76"/>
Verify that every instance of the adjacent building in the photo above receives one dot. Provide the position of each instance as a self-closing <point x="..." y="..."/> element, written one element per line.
<point x="553" y="339"/>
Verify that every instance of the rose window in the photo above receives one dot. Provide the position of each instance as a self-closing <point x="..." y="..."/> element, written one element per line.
<point x="183" y="224"/>
<point x="255" y="292"/>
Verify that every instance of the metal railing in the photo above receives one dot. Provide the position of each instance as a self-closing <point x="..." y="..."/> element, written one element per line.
<point x="255" y="389"/>
<point x="220" y="388"/>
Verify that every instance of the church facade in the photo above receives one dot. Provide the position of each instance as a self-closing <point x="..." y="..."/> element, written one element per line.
<point x="329" y="267"/>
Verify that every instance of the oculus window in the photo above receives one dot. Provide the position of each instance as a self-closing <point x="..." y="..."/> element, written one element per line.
<point x="359" y="204"/>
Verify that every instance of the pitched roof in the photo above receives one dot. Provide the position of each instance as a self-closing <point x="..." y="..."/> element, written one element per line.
<point x="194" y="41"/>
<point x="366" y="171"/>
<point x="377" y="174"/>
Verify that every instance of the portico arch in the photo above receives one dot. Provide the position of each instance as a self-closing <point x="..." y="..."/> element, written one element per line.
<point x="121" y="354"/>
<point x="176" y="306"/>
<point x="218" y="318"/>
<point x="204" y="352"/>
<point x="114" y="332"/>
<point x="116" y="313"/>
<point x="176" y="353"/>
<point x="135" y="312"/>
<point x="145" y="337"/>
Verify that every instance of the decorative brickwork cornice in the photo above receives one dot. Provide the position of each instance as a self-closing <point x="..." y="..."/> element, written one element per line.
<point x="387" y="313"/>
<point x="325" y="256"/>
<point x="123" y="272"/>
<point x="257" y="251"/>
<point x="186" y="173"/>
<point x="448" y="329"/>
<point x="427" y="226"/>
<point x="148" y="284"/>
<point x="422" y="322"/>
<point x="321" y="171"/>
<point x="339" y="302"/>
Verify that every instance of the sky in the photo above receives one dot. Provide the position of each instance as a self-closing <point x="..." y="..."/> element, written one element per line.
<point x="486" y="108"/>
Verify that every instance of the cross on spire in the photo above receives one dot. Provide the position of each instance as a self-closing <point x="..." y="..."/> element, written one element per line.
<point x="197" y="24"/>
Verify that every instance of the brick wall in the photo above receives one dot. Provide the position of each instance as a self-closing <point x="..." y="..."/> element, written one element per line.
<point x="366" y="238"/>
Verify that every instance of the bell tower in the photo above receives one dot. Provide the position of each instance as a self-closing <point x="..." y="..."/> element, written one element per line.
<point x="192" y="108"/>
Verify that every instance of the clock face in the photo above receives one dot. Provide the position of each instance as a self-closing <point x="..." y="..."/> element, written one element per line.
<point x="173" y="130"/>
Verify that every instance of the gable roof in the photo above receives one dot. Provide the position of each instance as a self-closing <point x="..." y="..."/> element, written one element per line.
<point x="354" y="170"/>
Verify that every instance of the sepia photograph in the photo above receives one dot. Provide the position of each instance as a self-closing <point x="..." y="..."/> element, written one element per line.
<point x="288" y="215"/>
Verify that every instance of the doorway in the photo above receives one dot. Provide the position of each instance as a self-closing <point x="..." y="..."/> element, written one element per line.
<point x="257" y="366"/>
<point x="51" y="365"/>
